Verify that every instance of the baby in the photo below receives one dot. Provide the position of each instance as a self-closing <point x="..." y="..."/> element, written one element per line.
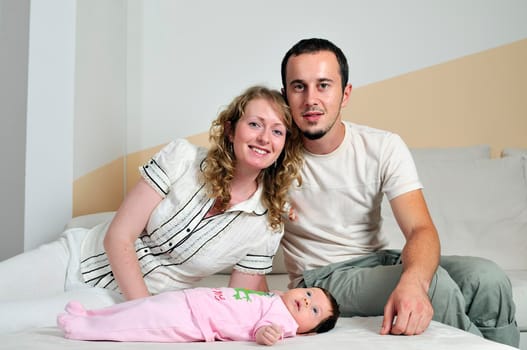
<point x="206" y="314"/>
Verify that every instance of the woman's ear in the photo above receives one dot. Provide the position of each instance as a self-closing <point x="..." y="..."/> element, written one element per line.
<point x="227" y="130"/>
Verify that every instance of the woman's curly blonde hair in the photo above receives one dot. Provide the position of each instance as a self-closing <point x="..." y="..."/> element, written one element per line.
<point x="220" y="162"/>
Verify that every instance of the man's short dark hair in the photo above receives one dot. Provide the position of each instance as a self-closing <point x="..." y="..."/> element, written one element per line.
<point x="329" y="323"/>
<point x="315" y="45"/>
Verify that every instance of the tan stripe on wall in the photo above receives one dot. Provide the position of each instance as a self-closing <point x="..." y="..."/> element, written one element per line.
<point x="103" y="188"/>
<point x="477" y="99"/>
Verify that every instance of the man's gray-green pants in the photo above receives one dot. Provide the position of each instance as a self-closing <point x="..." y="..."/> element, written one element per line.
<point x="469" y="293"/>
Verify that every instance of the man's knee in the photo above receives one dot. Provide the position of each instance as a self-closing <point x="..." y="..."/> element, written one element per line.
<point x="447" y="301"/>
<point x="489" y="274"/>
<point x="443" y="288"/>
<point x="477" y="275"/>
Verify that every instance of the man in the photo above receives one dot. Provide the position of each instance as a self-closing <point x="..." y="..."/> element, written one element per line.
<point x="334" y="240"/>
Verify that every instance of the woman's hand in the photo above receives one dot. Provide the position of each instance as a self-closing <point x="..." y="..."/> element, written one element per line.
<point x="248" y="281"/>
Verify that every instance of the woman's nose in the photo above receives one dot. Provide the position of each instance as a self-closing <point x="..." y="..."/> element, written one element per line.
<point x="263" y="137"/>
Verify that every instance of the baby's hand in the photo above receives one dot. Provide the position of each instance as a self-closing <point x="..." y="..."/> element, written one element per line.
<point x="268" y="335"/>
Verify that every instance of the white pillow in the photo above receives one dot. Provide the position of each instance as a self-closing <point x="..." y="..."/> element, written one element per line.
<point x="90" y="220"/>
<point x="479" y="208"/>
<point x="508" y="152"/>
<point x="422" y="157"/>
<point x="451" y="153"/>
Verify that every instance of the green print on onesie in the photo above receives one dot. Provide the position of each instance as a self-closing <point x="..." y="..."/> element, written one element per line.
<point x="242" y="293"/>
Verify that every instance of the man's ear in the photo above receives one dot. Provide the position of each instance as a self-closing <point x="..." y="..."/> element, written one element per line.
<point x="284" y="95"/>
<point x="346" y="95"/>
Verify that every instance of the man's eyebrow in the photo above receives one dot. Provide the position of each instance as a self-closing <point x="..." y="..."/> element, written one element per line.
<point x="296" y="81"/>
<point x="320" y="80"/>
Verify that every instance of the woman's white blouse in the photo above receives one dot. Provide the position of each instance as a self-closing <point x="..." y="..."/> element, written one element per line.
<point x="180" y="245"/>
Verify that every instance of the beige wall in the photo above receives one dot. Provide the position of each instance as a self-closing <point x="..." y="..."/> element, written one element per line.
<point x="103" y="189"/>
<point x="477" y="99"/>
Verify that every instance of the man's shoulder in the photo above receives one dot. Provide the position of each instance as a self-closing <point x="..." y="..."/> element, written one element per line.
<point x="366" y="130"/>
<point x="369" y="135"/>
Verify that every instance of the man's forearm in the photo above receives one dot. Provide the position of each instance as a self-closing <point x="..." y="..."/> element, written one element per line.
<point x="420" y="256"/>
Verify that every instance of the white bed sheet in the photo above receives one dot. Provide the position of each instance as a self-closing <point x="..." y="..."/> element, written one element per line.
<point x="350" y="333"/>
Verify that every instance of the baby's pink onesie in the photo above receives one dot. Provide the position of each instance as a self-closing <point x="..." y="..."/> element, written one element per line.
<point x="199" y="314"/>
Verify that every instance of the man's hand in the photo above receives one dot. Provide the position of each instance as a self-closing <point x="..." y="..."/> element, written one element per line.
<point x="410" y="307"/>
<point x="268" y="335"/>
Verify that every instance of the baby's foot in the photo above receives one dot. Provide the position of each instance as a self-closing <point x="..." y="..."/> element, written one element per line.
<point x="63" y="320"/>
<point x="76" y="308"/>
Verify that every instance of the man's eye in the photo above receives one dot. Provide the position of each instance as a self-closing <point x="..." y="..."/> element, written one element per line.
<point x="298" y="87"/>
<point x="324" y="85"/>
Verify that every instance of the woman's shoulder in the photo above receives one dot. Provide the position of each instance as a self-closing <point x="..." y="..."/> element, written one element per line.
<point x="181" y="150"/>
<point x="182" y="145"/>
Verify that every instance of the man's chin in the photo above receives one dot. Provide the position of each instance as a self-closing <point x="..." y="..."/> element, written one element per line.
<point x="314" y="135"/>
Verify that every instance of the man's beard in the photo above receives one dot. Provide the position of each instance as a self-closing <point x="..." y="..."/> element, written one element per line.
<point x="318" y="134"/>
<point x="314" y="135"/>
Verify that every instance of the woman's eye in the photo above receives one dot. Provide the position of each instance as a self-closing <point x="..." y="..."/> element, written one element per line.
<point x="278" y="132"/>
<point x="253" y="124"/>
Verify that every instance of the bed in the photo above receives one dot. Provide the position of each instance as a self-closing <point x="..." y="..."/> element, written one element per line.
<point x="349" y="333"/>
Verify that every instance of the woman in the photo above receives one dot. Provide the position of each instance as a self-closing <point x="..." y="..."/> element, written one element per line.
<point x="193" y="213"/>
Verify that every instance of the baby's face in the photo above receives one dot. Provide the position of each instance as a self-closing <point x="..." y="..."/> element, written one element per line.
<point x="308" y="306"/>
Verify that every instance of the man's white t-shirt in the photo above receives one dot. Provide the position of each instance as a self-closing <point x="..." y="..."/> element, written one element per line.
<point x="338" y="206"/>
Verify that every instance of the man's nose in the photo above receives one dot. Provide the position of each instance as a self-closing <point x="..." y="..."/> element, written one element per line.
<point x="311" y="97"/>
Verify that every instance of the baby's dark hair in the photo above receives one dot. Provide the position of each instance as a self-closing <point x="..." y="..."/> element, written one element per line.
<point x="329" y="323"/>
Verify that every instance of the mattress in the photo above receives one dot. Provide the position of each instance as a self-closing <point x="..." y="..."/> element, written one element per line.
<point x="350" y="333"/>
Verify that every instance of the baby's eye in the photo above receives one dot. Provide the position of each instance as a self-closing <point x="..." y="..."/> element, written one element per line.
<point x="308" y="293"/>
<point x="315" y="310"/>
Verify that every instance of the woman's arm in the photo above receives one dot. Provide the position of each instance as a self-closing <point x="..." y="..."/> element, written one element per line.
<point x="128" y="223"/>
<point x="248" y="281"/>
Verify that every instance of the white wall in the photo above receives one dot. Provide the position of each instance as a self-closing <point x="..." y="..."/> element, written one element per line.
<point x="100" y="84"/>
<point x="37" y="62"/>
<point x="50" y="114"/>
<point x="193" y="57"/>
<point x="182" y="61"/>
<point x="14" y="37"/>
